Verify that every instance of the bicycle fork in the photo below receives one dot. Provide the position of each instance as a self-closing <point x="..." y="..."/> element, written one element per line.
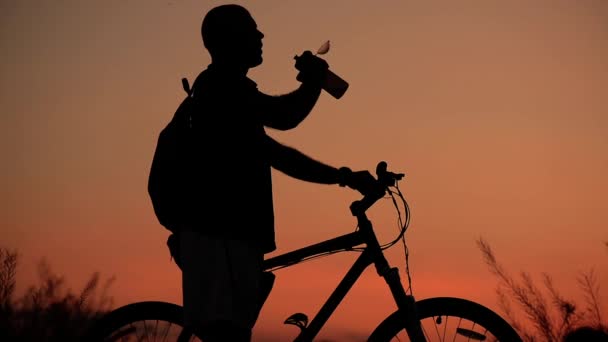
<point x="406" y="303"/>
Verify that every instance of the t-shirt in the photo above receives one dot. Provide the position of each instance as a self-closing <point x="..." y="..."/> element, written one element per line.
<point x="231" y="189"/>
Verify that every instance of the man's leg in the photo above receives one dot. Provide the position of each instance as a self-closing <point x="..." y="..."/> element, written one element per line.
<point x="220" y="281"/>
<point x="224" y="331"/>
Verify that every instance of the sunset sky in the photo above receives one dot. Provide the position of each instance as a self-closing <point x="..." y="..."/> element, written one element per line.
<point x="496" y="111"/>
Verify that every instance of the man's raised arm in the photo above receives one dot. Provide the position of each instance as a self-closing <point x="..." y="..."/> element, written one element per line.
<point x="285" y="112"/>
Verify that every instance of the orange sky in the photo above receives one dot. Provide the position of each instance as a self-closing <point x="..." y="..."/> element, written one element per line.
<point x="496" y="112"/>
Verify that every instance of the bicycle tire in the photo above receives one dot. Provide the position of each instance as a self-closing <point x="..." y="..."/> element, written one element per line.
<point x="483" y="323"/>
<point x="136" y="321"/>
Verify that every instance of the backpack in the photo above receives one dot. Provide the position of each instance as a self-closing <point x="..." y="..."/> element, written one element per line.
<point x="169" y="172"/>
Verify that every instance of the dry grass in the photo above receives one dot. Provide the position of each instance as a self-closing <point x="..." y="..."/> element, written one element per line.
<point x="549" y="315"/>
<point x="47" y="311"/>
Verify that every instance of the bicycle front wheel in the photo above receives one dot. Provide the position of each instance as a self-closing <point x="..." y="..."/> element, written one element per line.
<point x="142" y="321"/>
<point x="449" y="319"/>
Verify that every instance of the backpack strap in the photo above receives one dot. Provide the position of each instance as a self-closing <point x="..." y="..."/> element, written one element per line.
<point x="186" y="86"/>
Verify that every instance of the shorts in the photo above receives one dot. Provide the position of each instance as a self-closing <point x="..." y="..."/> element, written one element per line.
<point x="220" y="280"/>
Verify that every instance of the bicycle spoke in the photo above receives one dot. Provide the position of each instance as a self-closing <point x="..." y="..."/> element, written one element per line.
<point x="155" y="329"/>
<point x="136" y="335"/>
<point x="426" y="335"/>
<point x="151" y="331"/>
<point x="436" y="322"/>
<point x="449" y="328"/>
<point x="457" y="327"/>
<point x="145" y="333"/>
<point x="166" y="333"/>
<point x="143" y="322"/>
<point x="445" y="327"/>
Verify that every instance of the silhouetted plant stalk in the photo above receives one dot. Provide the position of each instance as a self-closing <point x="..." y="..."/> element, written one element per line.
<point x="47" y="312"/>
<point x="551" y="315"/>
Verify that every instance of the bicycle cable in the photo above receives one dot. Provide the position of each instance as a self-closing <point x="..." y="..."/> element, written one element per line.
<point x="324" y="254"/>
<point x="402" y="234"/>
<point x="403" y="223"/>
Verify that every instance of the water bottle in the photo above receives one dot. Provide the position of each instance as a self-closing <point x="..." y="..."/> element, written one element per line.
<point x="333" y="84"/>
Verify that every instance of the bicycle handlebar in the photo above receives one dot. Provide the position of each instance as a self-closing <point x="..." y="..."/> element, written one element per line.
<point x="385" y="179"/>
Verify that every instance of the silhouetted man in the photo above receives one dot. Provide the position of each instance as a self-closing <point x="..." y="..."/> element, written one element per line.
<point x="231" y="226"/>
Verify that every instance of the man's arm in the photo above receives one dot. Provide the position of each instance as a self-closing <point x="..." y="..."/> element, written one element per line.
<point x="285" y="112"/>
<point x="298" y="165"/>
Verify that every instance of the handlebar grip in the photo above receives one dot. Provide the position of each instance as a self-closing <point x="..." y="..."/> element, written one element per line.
<point x="385" y="179"/>
<point x="381" y="168"/>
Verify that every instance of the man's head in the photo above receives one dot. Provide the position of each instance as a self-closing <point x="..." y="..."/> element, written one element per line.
<point x="231" y="36"/>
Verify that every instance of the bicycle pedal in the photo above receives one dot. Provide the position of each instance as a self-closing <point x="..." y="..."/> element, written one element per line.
<point x="298" y="319"/>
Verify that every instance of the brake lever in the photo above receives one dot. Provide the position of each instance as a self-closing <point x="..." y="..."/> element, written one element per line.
<point x="385" y="177"/>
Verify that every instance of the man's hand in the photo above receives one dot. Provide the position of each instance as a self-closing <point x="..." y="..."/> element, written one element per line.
<point x="362" y="181"/>
<point x="312" y="68"/>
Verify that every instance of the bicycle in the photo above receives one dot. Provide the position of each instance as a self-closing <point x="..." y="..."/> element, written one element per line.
<point x="431" y="319"/>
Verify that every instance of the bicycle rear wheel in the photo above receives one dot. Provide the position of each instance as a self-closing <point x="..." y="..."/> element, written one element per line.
<point x="449" y="319"/>
<point x="142" y="321"/>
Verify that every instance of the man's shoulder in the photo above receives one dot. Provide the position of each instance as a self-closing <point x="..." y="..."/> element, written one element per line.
<point x="212" y="79"/>
<point x="201" y="81"/>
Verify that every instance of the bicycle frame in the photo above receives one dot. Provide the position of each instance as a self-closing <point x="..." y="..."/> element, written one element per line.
<point x="372" y="254"/>
<point x="124" y="320"/>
